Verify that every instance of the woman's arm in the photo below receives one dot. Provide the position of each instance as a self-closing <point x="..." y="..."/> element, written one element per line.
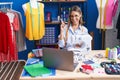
<point x="61" y="37"/>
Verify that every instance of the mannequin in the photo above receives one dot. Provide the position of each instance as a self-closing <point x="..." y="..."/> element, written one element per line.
<point x="35" y="25"/>
<point x="106" y="10"/>
<point x="33" y="4"/>
<point x="101" y="10"/>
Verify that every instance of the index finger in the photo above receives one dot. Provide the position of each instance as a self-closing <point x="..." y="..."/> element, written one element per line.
<point x="61" y="21"/>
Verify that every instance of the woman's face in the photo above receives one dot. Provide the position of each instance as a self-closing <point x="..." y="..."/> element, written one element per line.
<point x="75" y="17"/>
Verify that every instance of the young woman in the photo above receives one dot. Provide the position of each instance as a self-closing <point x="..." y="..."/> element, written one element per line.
<point x="71" y="34"/>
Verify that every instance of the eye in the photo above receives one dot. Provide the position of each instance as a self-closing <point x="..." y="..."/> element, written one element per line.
<point x="76" y="16"/>
<point x="72" y="16"/>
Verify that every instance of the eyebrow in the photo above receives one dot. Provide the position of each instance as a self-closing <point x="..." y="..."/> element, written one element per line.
<point x="74" y="15"/>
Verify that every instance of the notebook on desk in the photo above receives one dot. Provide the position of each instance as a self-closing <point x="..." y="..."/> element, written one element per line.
<point x="59" y="59"/>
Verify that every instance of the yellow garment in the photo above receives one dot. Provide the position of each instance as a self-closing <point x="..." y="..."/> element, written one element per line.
<point x="105" y="15"/>
<point x="33" y="30"/>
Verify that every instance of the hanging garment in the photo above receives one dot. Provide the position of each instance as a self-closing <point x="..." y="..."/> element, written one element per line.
<point x="20" y="37"/>
<point x="118" y="27"/>
<point x="35" y="25"/>
<point x="5" y="33"/>
<point x="14" y="27"/>
<point x="6" y="45"/>
<point x="106" y="10"/>
<point x="117" y="14"/>
<point x="101" y="8"/>
<point x="15" y="24"/>
<point x="118" y="21"/>
<point x="111" y="9"/>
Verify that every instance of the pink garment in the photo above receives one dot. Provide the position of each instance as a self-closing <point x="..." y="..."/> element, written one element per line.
<point x="16" y="23"/>
<point x="115" y="7"/>
<point x="111" y="9"/>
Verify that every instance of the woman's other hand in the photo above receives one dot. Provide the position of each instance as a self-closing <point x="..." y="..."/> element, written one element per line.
<point x="78" y="45"/>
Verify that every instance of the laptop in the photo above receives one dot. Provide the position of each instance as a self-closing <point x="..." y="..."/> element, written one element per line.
<point x="58" y="59"/>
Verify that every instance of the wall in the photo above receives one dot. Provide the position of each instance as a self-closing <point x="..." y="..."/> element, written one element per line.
<point x="92" y="18"/>
<point x="91" y="23"/>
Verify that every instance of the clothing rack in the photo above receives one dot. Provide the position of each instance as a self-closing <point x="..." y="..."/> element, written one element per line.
<point x="7" y="3"/>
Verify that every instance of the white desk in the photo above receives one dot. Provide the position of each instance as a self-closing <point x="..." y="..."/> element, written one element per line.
<point x="66" y="75"/>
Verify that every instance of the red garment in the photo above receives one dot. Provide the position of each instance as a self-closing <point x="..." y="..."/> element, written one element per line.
<point x="5" y="31"/>
<point x="7" y="51"/>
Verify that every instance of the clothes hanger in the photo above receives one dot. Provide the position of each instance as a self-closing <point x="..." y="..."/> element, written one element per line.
<point x="4" y="10"/>
<point x="4" y="7"/>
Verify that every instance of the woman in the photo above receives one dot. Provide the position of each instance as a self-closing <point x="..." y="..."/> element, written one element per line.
<point x="72" y="35"/>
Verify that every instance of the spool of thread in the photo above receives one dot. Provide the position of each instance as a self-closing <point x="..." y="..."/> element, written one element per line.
<point x="118" y="50"/>
<point x="110" y="54"/>
<point x="115" y="53"/>
<point x="106" y="52"/>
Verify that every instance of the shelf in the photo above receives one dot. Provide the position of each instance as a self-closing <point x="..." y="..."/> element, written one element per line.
<point x="55" y="21"/>
<point x="52" y="22"/>
<point x="47" y="45"/>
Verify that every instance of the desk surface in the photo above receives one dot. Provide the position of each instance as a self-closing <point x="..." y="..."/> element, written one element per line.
<point x="76" y="75"/>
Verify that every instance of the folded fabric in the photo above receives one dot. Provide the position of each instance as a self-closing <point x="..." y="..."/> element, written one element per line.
<point x="37" y="70"/>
